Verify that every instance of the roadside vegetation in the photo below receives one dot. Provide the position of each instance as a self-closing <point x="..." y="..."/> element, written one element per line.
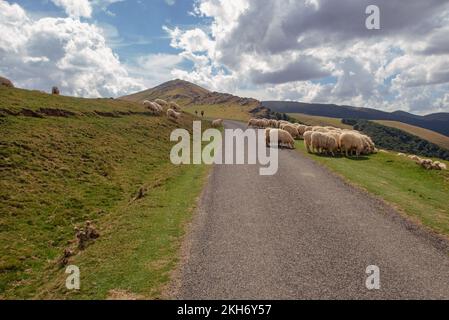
<point x="111" y="168"/>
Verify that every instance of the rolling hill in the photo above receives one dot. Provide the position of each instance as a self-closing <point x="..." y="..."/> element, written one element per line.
<point x="195" y="98"/>
<point x="438" y="122"/>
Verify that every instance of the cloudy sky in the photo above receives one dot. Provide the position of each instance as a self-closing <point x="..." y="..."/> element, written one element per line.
<point x="305" y="50"/>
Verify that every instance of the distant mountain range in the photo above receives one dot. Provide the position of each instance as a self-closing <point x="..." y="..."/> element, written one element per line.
<point x="438" y="122"/>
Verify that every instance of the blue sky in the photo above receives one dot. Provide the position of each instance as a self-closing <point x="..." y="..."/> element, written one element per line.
<point x="304" y="50"/>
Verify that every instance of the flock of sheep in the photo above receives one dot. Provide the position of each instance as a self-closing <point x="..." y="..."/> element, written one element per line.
<point x="157" y="108"/>
<point x="317" y="139"/>
<point x="427" y="164"/>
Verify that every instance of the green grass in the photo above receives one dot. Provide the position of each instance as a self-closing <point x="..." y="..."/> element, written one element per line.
<point x="319" y="121"/>
<point x="57" y="173"/>
<point x="420" y="194"/>
<point x="228" y="112"/>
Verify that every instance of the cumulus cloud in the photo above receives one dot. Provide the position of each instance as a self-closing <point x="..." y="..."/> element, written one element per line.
<point x="320" y="50"/>
<point x="66" y="52"/>
<point x="75" y="8"/>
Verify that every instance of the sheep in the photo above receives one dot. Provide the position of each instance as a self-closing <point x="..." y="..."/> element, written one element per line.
<point x="324" y="142"/>
<point x="351" y="141"/>
<point x="290" y="129"/>
<point x="217" y="123"/>
<point x="301" y="129"/>
<point x="308" y="128"/>
<point x="414" y="158"/>
<point x="308" y="140"/>
<point x="442" y="166"/>
<point x="252" y="123"/>
<point x="426" y="163"/>
<point x="173" y="115"/>
<point x="174" y="106"/>
<point x="155" y="108"/>
<point x="161" y="102"/>
<point x="284" y="138"/>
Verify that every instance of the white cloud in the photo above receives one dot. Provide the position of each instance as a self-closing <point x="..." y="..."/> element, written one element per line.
<point x="66" y="52"/>
<point x="75" y="8"/>
<point x="283" y="47"/>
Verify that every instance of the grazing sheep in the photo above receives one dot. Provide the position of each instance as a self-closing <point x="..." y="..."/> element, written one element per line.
<point x="155" y="108"/>
<point x="351" y="141"/>
<point x="161" y="102"/>
<point x="301" y="130"/>
<point x="308" y="140"/>
<point x="324" y="142"/>
<point x="284" y="138"/>
<point x="217" y="123"/>
<point x="290" y="129"/>
<point x="414" y="158"/>
<point x="174" y="106"/>
<point x="441" y="165"/>
<point x="173" y="115"/>
<point x="426" y="163"/>
<point x="251" y="123"/>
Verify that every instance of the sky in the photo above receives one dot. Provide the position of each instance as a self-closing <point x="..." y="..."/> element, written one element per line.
<point x="297" y="50"/>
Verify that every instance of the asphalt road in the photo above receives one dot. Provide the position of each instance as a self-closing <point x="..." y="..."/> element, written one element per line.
<point x="303" y="234"/>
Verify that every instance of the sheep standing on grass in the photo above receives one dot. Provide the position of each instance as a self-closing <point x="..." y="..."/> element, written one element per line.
<point x="173" y="115"/>
<point x="154" y="108"/>
<point x="323" y="142"/>
<point x="350" y="142"/>
<point x="284" y="138"/>
<point x="308" y="140"/>
<point x="174" y="106"/>
<point x="290" y="129"/>
<point x="161" y="102"/>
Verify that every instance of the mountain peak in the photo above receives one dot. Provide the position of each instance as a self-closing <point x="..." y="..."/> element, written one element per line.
<point x="186" y="93"/>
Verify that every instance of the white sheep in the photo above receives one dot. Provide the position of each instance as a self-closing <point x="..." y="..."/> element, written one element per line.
<point x="173" y="115"/>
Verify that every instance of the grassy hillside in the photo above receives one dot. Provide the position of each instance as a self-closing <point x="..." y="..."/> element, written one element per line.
<point x="59" y="172"/>
<point x="420" y="194"/>
<point x="429" y="135"/>
<point x="319" y="121"/>
<point x="221" y="111"/>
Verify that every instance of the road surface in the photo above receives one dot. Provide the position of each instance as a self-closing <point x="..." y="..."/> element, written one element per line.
<point x="303" y="234"/>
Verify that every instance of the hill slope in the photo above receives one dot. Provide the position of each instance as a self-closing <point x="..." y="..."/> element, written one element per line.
<point x="429" y="135"/>
<point x="187" y="93"/>
<point x="435" y="122"/>
<point x="64" y="161"/>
